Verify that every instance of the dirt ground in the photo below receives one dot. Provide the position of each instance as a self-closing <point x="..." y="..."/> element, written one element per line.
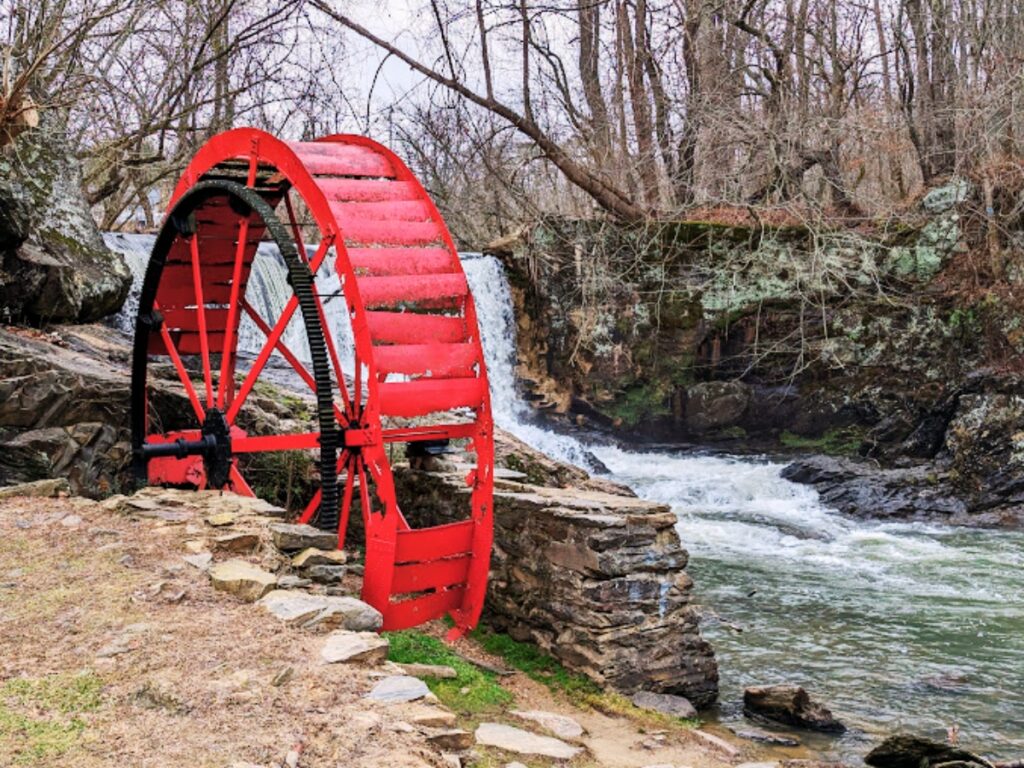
<point x="115" y="651"/>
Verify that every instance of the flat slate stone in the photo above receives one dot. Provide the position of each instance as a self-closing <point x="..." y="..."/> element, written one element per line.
<point x="666" y="703"/>
<point x="292" y="538"/>
<point x="200" y="560"/>
<point x="347" y="647"/>
<point x="522" y="742"/>
<point x="293" y="607"/>
<point x="332" y="612"/>
<point x="239" y="543"/>
<point x="242" y="579"/>
<point x="429" y="670"/>
<point x="398" y="688"/>
<point x="563" y="726"/>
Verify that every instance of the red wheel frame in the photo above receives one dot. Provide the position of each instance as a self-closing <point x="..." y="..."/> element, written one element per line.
<point x="416" y="346"/>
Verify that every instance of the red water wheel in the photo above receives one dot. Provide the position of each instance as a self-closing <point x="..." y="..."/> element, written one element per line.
<point x="417" y="376"/>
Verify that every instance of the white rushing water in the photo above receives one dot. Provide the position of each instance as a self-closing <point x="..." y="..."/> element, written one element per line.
<point x="891" y="624"/>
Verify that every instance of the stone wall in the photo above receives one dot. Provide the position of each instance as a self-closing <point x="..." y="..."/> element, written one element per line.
<point x="595" y="579"/>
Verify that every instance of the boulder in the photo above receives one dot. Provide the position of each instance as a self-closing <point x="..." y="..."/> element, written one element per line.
<point x="54" y="266"/>
<point x="291" y="538"/>
<point x="242" y="579"/>
<point x="907" y="751"/>
<point x="522" y="742"/>
<point x="715" y="404"/>
<point x="396" y="689"/>
<point x="344" y="646"/>
<point x="665" y="703"/>
<point x="791" y="705"/>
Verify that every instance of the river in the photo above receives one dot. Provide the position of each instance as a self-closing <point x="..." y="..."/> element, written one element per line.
<point x="892" y="625"/>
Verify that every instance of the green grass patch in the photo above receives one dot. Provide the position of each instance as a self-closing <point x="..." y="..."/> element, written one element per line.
<point x="581" y="690"/>
<point x="536" y="664"/>
<point x="473" y="691"/>
<point x="844" y="441"/>
<point x="40" y="717"/>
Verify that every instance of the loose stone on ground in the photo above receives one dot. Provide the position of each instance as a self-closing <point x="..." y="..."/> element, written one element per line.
<point x="242" y="579"/>
<point x="292" y="538"/>
<point x="328" y="611"/>
<point x="513" y="739"/>
<point x="563" y="726"/>
<point x="347" y="647"/>
<point x="665" y="703"/>
<point x="398" y="688"/>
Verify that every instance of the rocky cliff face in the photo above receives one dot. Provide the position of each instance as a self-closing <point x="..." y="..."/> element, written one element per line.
<point x="782" y="337"/>
<point x="53" y="264"/>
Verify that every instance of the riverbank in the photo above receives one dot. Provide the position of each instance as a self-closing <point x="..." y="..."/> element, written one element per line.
<point x="160" y="668"/>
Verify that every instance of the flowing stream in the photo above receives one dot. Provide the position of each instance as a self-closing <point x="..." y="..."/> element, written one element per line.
<point x="892" y="625"/>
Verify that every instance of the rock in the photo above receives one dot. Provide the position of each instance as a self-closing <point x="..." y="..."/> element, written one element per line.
<point x="325" y="574"/>
<point x="238" y="543"/>
<point x="242" y="579"/>
<point x="758" y="765"/>
<point x="71" y="521"/>
<point x="764" y="737"/>
<point x="221" y="519"/>
<point x="943" y="198"/>
<point x="295" y="608"/>
<point x="666" y="703"/>
<point x="292" y="538"/>
<point x="715" y="404"/>
<point x="39" y="488"/>
<point x="789" y="704"/>
<point x="906" y="751"/>
<point x="314" y="556"/>
<point x="283" y="676"/>
<point x="54" y="266"/>
<point x="345" y="646"/>
<point x="563" y="726"/>
<point x="201" y="560"/>
<point x="716" y="743"/>
<point x="306" y="610"/>
<point x="515" y="764"/>
<point x="195" y="546"/>
<point x="398" y="688"/>
<point x="522" y="742"/>
<point x="290" y="581"/>
<point x="429" y="670"/>
<point x="433" y="718"/>
<point x="452" y="738"/>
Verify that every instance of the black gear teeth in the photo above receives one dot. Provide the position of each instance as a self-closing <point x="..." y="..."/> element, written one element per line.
<point x="181" y="221"/>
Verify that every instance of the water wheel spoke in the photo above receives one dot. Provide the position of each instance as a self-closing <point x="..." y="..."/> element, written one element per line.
<point x="239" y="484"/>
<point x="314" y="503"/>
<point x="287" y="442"/>
<point x="346" y="500"/>
<point x="225" y="384"/>
<point x="204" y="341"/>
<point x="179" y="366"/>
